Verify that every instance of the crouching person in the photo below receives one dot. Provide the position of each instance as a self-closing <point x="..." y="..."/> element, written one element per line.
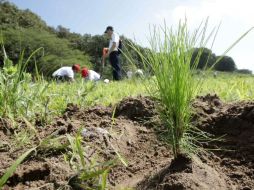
<point x="66" y="73"/>
<point x="90" y="75"/>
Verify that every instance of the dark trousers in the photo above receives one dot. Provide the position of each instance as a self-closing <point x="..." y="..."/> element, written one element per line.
<point x="115" y="62"/>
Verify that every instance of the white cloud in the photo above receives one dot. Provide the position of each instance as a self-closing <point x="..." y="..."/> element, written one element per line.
<point x="217" y="10"/>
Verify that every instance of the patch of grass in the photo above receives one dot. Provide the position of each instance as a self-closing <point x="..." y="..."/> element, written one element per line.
<point x="14" y="85"/>
<point x="87" y="94"/>
<point x="169" y="59"/>
<point x="229" y="86"/>
<point x="89" y="173"/>
<point x="175" y="83"/>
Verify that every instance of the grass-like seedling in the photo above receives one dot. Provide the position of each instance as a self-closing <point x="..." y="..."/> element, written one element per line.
<point x="169" y="60"/>
<point x="90" y="173"/>
<point x="14" y="83"/>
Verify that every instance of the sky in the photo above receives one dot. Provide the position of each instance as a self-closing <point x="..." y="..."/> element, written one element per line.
<point x="132" y="18"/>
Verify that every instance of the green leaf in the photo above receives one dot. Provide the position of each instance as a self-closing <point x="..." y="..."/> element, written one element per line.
<point x="104" y="179"/>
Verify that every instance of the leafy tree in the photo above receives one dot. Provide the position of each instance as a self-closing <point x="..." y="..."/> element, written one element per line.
<point x="57" y="51"/>
<point x="12" y="17"/>
<point x="206" y="58"/>
<point x="226" y="63"/>
<point x="62" y="32"/>
<point x="244" y="71"/>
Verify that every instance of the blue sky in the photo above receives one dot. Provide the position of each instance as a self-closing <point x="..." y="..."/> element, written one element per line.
<point x="133" y="17"/>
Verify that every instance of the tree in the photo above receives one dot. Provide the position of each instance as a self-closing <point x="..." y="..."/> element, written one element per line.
<point x="244" y="71"/>
<point x="12" y="17"/>
<point x="57" y="52"/>
<point x="62" y="32"/>
<point x="206" y="58"/>
<point x="226" y="63"/>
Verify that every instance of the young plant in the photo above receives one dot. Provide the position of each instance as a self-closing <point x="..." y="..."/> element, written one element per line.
<point x="169" y="60"/>
<point x="13" y="82"/>
<point x="90" y="173"/>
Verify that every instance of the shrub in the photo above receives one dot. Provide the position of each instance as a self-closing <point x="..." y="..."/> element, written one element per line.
<point x="244" y="71"/>
<point x="225" y="63"/>
<point x="206" y="60"/>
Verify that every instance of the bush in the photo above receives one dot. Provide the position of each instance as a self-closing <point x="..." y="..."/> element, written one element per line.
<point x="12" y="17"/>
<point x="225" y="64"/>
<point x="244" y="71"/>
<point x="57" y="51"/>
<point x="206" y="59"/>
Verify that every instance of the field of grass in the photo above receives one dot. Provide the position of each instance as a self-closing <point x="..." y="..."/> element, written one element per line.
<point x="228" y="86"/>
<point x="89" y="93"/>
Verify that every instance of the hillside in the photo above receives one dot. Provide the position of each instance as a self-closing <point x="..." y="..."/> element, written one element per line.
<point x="12" y="17"/>
<point x="22" y="30"/>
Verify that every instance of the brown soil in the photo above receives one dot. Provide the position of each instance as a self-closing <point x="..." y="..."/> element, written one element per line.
<point x="130" y="132"/>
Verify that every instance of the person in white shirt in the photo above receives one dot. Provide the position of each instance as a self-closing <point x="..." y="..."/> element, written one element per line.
<point x="113" y="53"/>
<point x="66" y="73"/>
<point x="90" y="75"/>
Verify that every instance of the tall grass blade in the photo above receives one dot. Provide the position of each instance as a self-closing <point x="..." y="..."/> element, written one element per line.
<point x="104" y="179"/>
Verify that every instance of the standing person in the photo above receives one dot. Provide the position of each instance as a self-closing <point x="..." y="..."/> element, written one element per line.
<point x="66" y="73"/>
<point x="90" y="75"/>
<point x="112" y="52"/>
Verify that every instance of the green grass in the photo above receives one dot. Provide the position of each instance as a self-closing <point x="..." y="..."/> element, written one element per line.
<point x="169" y="59"/>
<point x="226" y="85"/>
<point x="49" y="99"/>
<point x="229" y="86"/>
<point x="101" y="93"/>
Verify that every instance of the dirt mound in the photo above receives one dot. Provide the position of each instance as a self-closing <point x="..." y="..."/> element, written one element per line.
<point x="104" y="135"/>
<point x="124" y="130"/>
<point x="139" y="108"/>
<point x="234" y="122"/>
<point x="124" y="133"/>
<point x="185" y="173"/>
<point x="229" y="164"/>
<point x="206" y="108"/>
